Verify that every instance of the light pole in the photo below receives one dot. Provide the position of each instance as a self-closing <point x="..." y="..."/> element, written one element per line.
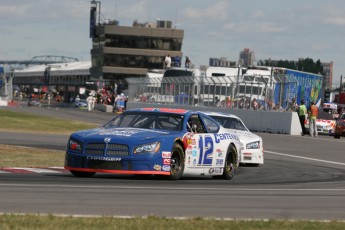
<point x="240" y="63"/>
<point x="271" y="85"/>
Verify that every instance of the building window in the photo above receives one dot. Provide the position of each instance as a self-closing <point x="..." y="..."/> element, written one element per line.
<point x="133" y="61"/>
<point x="135" y="42"/>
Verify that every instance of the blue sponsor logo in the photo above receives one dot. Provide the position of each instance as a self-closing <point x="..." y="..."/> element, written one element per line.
<point x="219" y="162"/>
<point x="166" y="167"/>
<point x="225" y="136"/>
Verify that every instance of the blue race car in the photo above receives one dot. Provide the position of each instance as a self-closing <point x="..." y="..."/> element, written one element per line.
<point x="167" y="142"/>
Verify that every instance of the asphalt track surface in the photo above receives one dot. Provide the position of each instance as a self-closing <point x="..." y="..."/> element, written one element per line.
<point x="302" y="178"/>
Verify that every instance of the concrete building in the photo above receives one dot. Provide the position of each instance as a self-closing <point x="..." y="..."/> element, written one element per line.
<point x="328" y="77"/>
<point x="221" y="62"/>
<point x="119" y="52"/>
<point x="248" y="57"/>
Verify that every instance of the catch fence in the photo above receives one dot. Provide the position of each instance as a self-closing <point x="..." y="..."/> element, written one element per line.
<point x="249" y="92"/>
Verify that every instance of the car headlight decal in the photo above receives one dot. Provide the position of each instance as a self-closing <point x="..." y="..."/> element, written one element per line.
<point x="147" y="148"/>
<point x="75" y="145"/>
<point x="253" y="145"/>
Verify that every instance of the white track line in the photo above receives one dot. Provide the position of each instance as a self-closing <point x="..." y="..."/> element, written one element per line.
<point x="305" y="158"/>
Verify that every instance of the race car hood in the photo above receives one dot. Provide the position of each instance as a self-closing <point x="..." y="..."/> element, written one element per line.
<point x="245" y="136"/>
<point x="325" y="123"/>
<point x="119" y="134"/>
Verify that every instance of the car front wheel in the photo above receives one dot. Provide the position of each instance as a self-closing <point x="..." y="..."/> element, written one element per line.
<point x="230" y="163"/>
<point x="176" y="162"/>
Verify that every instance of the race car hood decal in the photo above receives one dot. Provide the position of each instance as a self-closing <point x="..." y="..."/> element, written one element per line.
<point x="324" y="121"/>
<point x="121" y="133"/>
<point x="245" y="136"/>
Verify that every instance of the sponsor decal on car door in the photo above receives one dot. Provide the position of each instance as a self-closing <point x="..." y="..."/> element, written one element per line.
<point x="206" y="148"/>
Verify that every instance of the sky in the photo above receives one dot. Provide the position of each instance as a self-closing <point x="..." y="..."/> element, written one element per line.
<point x="275" y="29"/>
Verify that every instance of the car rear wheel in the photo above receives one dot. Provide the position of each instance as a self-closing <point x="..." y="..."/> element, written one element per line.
<point x="82" y="174"/>
<point x="337" y="136"/>
<point x="230" y="163"/>
<point x="176" y="162"/>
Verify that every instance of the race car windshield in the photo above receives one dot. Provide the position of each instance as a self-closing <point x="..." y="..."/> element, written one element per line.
<point x="161" y="121"/>
<point x="230" y="123"/>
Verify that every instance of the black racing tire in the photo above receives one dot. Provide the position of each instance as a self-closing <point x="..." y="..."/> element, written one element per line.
<point x="176" y="162"/>
<point x="336" y="136"/>
<point x="231" y="163"/>
<point x="82" y="174"/>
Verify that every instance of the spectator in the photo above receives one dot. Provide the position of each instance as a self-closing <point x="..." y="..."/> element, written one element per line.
<point x="187" y="63"/>
<point x="216" y="102"/>
<point x="49" y="99"/>
<point x="177" y="61"/>
<point x="167" y="61"/>
<point x="88" y="100"/>
<point x="126" y="100"/>
<point x="77" y="99"/>
<point x="228" y="102"/>
<point x="302" y="111"/>
<point x="254" y="104"/>
<point x="120" y="103"/>
<point x="313" y="112"/>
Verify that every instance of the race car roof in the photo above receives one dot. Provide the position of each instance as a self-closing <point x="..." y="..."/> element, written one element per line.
<point x="163" y="110"/>
<point x="209" y="113"/>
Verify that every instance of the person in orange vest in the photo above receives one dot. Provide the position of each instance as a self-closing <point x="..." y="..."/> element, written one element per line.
<point x="313" y="112"/>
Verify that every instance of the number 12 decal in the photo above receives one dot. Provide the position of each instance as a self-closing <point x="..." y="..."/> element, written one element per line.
<point x="206" y="150"/>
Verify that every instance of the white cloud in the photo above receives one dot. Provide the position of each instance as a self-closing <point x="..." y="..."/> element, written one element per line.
<point x="258" y="14"/>
<point x="236" y="27"/>
<point x="14" y="10"/>
<point x="320" y="47"/>
<point x="339" y="21"/>
<point x="270" y="28"/>
<point x="139" y="10"/>
<point x="253" y="27"/>
<point x="214" y="12"/>
<point x="43" y="11"/>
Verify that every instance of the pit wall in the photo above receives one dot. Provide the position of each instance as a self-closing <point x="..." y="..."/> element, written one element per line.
<point x="3" y="101"/>
<point x="255" y="120"/>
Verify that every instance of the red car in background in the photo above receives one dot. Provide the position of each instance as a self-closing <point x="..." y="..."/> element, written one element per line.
<point x="340" y="126"/>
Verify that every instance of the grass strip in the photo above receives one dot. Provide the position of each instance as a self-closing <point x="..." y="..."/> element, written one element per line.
<point x="28" y="222"/>
<point x="18" y="156"/>
<point x="25" y="122"/>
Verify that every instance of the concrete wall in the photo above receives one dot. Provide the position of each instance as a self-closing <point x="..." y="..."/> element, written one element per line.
<point x="257" y="121"/>
<point x="3" y="101"/>
<point x="104" y="108"/>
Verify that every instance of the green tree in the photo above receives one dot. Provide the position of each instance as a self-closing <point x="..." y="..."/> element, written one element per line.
<point x="303" y="64"/>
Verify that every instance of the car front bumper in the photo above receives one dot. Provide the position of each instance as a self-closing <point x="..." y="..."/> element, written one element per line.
<point x="252" y="156"/>
<point x="116" y="165"/>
